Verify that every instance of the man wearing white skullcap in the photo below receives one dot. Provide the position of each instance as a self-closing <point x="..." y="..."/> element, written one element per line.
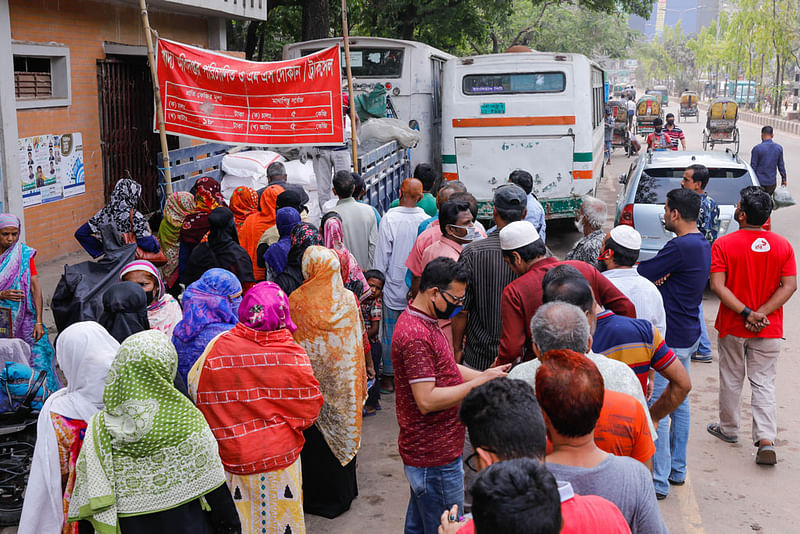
<point x="525" y="253"/>
<point x="620" y="253"/>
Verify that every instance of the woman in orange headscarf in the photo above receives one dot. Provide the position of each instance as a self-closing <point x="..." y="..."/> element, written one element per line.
<point x="244" y="201"/>
<point x="256" y="224"/>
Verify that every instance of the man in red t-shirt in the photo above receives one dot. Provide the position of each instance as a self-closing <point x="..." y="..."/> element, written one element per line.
<point x="753" y="272"/>
<point x="429" y="386"/>
<point x="660" y="139"/>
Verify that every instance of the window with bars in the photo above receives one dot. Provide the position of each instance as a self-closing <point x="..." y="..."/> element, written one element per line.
<point x="41" y="75"/>
<point x="32" y="77"/>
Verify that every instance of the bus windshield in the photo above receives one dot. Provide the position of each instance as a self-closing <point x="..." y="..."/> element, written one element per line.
<point x="516" y="83"/>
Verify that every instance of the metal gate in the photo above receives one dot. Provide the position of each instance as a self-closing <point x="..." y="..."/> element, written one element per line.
<point x="129" y="145"/>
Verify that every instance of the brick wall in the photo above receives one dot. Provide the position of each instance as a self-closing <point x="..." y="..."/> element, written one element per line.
<point x="83" y="26"/>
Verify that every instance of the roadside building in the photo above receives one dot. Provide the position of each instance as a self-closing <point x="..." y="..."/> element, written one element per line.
<point x="74" y="78"/>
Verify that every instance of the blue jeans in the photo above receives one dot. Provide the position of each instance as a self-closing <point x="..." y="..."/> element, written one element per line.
<point x="388" y="322"/>
<point x="705" y="343"/>
<point x="433" y="490"/>
<point x="669" y="462"/>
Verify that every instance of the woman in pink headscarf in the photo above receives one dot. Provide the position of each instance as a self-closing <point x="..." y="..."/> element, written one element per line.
<point x="333" y="237"/>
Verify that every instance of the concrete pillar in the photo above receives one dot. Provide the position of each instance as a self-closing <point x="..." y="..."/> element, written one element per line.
<point x="9" y="151"/>
<point x="217" y="34"/>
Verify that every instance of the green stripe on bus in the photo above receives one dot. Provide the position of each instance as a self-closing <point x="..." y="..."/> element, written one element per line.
<point x="451" y="158"/>
<point x="582" y="156"/>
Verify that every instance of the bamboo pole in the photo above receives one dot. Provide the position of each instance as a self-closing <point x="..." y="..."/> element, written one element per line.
<point x="345" y="34"/>
<point x="151" y="58"/>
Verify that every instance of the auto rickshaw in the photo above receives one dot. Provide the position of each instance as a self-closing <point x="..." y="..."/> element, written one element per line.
<point x="689" y="101"/>
<point x="622" y="133"/>
<point x="721" y="124"/>
<point x="648" y="108"/>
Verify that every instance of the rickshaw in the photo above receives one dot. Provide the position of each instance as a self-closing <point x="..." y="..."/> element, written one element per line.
<point x="618" y="89"/>
<point x="689" y="101"/>
<point x="721" y="124"/>
<point x="664" y="94"/>
<point x="622" y="134"/>
<point x="648" y="108"/>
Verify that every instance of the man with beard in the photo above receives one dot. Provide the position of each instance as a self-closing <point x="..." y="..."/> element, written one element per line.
<point x="620" y="253"/>
<point x="659" y="139"/>
<point x="680" y="270"/>
<point x="589" y="221"/>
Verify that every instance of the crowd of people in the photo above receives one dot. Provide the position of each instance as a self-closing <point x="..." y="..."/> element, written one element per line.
<point x="225" y="389"/>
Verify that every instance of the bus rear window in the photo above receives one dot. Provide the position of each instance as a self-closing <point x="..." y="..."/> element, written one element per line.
<point x="723" y="184"/>
<point x="516" y="83"/>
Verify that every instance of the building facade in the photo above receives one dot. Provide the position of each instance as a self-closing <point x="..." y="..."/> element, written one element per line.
<point x="76" y="103"/>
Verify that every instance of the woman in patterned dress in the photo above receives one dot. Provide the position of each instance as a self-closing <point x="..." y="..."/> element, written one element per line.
<point x="331" y="330"/>
<point x="255" y="387"/>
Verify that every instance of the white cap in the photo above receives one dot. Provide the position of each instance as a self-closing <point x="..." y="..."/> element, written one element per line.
<point x="626" y="236"/>
<point x="517" y="234"/>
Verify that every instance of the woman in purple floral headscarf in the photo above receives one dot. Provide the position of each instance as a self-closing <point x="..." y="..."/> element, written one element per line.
<point x="210" y="307"/>
<point x="21" y="293"/>
<point x="303" y="235"/>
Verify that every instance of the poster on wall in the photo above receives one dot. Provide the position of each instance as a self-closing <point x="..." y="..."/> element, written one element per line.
<point x="51" y="168"/>
<point x="214" y="97"/>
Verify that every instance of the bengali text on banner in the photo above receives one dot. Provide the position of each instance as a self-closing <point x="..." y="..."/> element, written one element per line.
<point x="214" y="97"/>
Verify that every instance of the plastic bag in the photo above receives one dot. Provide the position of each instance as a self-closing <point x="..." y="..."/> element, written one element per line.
<point x="782" y="197"/>
<point x="386" y="130"/>
<point x="249" y="163"/>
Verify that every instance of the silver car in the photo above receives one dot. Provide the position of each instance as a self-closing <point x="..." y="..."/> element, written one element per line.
<point x="640" y="202"/>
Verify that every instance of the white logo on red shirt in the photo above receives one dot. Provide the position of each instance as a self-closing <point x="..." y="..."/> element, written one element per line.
<point x="760" y="245"/>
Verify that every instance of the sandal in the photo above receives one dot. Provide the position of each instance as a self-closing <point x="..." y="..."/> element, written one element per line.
<point x="766" y="455"/>
<point x="714" y="430"/>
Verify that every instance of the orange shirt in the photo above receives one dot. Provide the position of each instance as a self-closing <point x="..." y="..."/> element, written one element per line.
<point x="622" y="428"/>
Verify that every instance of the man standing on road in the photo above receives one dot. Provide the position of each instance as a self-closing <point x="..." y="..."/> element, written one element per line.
<point x="608" y="134"/>
<point x="396" y="237"/>
<point x="430" y="387"/>
<point x="680" y="269"/>
<point x="751" y="268"/>
<point x="658" y="139"/>
<point x="631" y="104"/>
<point x="589" y="221"/>
<point x="359" y="226"/>
<point x="620" y="254"/>
<point x="765" y="158"/>
<point x="695" y="178"/>
<point x="525" y="253"/>
<point x="477" y="329"/>
<point x="675" y="133"/>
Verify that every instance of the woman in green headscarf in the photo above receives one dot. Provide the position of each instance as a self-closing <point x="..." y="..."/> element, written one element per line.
<point x="150" y="463"/>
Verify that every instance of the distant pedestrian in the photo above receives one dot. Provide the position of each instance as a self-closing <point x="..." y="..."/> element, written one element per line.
<point x="658" y="139"/>
<point x="675" y="133"/>
<point x="753" y="272"/>
<point x="631" y="104"/>
<point x="765" y="158"/>
<point x="589" y="220"/>
<point x="608" y="135"/>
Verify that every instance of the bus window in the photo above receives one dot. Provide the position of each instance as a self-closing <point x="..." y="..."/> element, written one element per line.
<point x="371" y="62"/>
<point x="517" y="83"/>
<point x="437" y="67"/>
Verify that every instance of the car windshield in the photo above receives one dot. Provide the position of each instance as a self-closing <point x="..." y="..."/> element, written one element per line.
<point x="723" y="186"/>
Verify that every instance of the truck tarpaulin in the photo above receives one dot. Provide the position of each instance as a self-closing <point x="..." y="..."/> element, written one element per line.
<point x="214" y="97"/>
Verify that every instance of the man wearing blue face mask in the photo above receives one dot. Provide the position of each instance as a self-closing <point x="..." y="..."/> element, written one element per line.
<point x="429" y="387"/>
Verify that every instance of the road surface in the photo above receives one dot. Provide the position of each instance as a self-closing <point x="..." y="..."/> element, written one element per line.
<point x="725" y="490"/>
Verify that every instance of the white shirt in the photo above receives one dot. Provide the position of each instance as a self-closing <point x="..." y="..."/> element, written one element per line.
<point x="396" y="237"/>
<point x="643" y="293"/>
<point x="631" y="105"/>
<point x="617" y="376"/>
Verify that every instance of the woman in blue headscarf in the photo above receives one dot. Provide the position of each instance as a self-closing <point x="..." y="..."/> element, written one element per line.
<point x="21" y="293"/>
<point x="210" y="307"/>
<point x="277" y="254"/>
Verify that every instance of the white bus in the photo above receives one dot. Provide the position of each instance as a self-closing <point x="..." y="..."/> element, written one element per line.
<point x="537" y="111"/>
<point x="411" y="72"/>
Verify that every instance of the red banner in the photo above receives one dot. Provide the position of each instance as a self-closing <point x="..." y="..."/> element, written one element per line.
<point x="214" y="97"/>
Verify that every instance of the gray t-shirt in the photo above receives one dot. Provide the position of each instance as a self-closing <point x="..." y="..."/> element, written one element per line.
<point x="625" y="482"/>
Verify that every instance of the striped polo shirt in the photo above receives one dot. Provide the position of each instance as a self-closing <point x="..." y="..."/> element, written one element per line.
<point x="635" y="342"/>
